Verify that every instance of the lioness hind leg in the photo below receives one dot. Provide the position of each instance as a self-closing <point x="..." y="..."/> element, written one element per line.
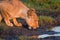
<point x="8" y="22"/>
<point x="0" y="18"/>
<point x="16" y="23"/>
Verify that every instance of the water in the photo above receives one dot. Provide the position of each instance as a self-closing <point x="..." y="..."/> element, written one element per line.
<point x="54" y="32"/>
<point x="14" y="33"/>
<point x="56" y="29"/>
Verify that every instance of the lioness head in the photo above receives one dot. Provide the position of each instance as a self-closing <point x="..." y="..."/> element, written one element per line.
<point x="32" y="19"/>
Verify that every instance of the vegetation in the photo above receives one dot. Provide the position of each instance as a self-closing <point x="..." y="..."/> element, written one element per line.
<point x="26" y="38"/>
<point x="3" y="26"/>
<point x="1" y="39"/>
<point x="51" y="5"/>
<point x="46" y="22"/>
<point x="46" y="19"/>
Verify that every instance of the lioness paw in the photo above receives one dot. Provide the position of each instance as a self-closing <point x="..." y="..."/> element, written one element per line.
<point x="33" y="27"/>
<point x="19" y="24"/>
<point x="10" y="24"/>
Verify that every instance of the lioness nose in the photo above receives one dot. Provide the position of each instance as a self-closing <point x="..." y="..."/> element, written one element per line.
<point x="33" y="27"/>
<point x="30" y="28"/>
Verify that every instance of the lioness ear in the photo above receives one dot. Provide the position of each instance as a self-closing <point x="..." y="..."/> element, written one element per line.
<point x="31" y="11"/>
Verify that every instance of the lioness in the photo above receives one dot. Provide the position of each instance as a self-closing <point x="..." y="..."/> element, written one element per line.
<point x="16" y="9"/>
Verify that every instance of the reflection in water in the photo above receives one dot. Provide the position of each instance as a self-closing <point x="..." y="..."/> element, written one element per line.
<point x="56" y="29"/>
<point x="47" y="35"/>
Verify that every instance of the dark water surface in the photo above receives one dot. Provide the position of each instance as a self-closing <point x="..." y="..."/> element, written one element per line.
<point x="14" y="33"/>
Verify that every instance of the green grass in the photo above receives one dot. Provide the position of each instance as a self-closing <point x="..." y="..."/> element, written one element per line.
<point x="1" y="39"/>
<point x="26" y="38"/>
<point x="52" y="5"/>
<point x="3" y="26"/>
<point x="46" y="20"/>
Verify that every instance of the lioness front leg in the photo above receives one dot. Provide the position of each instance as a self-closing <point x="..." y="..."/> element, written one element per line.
<point x="7" y="21"/>
<point x="0" y="18"/>
<point x="16" y="23"/>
